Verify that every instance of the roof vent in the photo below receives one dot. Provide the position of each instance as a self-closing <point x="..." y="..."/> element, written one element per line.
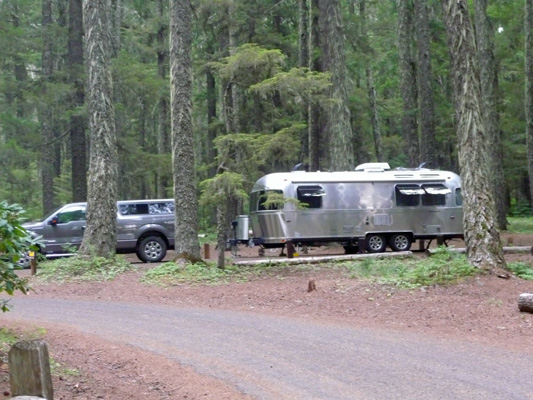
<point x="373" y="167"/>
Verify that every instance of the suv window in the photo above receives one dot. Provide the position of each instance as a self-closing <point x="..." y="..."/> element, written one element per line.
<point x="161" y="208"/>
<point x="146" y="208"/>
<point x="133" y="209"/>
<point x="74" y="213"/>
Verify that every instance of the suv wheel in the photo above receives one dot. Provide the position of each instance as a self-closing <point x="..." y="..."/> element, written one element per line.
<point x="152" y="249"/>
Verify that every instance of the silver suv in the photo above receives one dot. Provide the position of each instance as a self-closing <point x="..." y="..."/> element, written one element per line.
<point x="144" y="227"/>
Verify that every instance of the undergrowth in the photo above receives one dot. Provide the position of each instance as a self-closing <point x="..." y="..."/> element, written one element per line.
<point x="520" y="225"/>
<point x="169" y="274"/>
<point x="521" y="269"/>
<point x="442" y="268"/>
<point x="80" y="268"/>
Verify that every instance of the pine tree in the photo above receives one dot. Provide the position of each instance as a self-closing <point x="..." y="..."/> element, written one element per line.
<point x="101" y="232"/>
<point x="482" y="239"/>
<point x="186" y="225"/>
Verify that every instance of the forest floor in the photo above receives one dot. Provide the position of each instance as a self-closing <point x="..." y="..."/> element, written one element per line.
<point x="481" y="309"/>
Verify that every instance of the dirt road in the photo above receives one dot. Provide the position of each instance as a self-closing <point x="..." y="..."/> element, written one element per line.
<point x="275" y="357"/>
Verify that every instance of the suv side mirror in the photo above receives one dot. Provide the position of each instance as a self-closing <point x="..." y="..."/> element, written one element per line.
<point x="54" y="221"/>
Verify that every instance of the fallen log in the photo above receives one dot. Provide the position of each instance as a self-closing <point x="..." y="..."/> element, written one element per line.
<point x="525" y="302"/>
<point x="322" y="259"/>
<point x="506" y="250"/>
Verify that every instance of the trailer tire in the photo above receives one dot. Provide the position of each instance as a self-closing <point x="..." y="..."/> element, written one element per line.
<point x="400" y="242"/>
<point x="376" y="243"/>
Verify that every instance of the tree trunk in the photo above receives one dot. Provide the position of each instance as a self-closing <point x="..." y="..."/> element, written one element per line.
<point x="78" y="142"/>
<point x="482" y="239"/>
<point x="528" y="27"/>
<point x="428" y="141"/>
<point x="46" y="115"/>
<point x="338" y="128"/>
<point x="314" y="121"/>
<point x="163" y="127"/>
<point x="222" y="220"/>
<point x="101" y="232"/>
<point x="117" y="12"/>
<point x="371" y="90"/>
<point x="408" y="82"/>
<point x="186" y="232"/>
<point x="211" y="100"/>
<point x="303" y="62"/>
<point x="489" y="90"/>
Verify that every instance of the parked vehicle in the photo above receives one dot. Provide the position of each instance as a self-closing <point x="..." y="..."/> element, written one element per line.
<point x="373" y="205"/>
<point x="144" y="227"/>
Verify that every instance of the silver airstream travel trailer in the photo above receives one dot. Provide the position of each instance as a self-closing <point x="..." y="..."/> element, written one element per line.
<point x="373" y="205"/>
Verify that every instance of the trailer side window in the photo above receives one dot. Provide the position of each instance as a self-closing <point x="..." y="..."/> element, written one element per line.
<point x="435" y="194"/>
<point x="270" y="200"/>
<point x="458" y="197"/>
<point x="310" y="196"/>
<point x="408" y="195"/>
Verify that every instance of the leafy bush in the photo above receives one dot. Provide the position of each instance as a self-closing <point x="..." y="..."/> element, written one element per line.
<point x="520" y="225"/>
<point x="14" y="242"/>
<point x="171" y="273"/>
<point x="521" y="269"/>
<point x="83" y="268"/>
<point x="443" y="267"/>
<point x="520" y="209"/>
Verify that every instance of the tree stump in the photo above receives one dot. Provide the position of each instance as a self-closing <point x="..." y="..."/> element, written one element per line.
<point x="525" y="302"/>
<point x="29" y="369"/>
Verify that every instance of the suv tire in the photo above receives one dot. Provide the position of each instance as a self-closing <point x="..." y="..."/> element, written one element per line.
<point x="152" y="249"/>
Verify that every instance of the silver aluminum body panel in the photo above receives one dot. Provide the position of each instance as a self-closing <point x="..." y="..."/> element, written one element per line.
<point x="355" y="204"/>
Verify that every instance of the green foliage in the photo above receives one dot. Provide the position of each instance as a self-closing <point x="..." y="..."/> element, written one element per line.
<point x="221" y="187"/>
<point x="171" y="274"/>
<point x="443" y="268"/>
<point x="298" y="83"/>
<point x="259" y="153"/>
<point x="520" y="209"/>
<point x="520" y="225"/>
<point x="81" y="268"/>
<point x="14" y="241"/>
<point x="521" y="269"/>
<point x="7" y="339"/>
<point x="249" y="64"/>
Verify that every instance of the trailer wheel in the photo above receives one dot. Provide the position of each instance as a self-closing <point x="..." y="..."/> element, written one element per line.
<point x="376" y="243"/>
<point x="400" y="242"/>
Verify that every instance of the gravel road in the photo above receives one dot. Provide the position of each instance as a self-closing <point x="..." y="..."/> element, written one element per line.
<point x="272" y="357"/>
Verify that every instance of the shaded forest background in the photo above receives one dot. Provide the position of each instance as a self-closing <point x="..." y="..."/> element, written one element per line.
<point x="260" y="83"/>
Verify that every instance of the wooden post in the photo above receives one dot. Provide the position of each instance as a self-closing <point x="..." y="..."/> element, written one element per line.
<point x="290" y="249"/>
<point x="29" y="369"/>
<point x="207" y="251"/>
<point x="33" y="265"/>
<point x="440" y="240"/>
